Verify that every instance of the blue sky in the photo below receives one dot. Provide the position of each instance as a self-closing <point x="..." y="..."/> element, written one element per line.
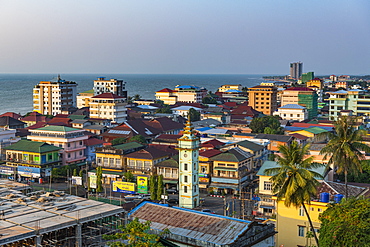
<point x="188" y="36"/>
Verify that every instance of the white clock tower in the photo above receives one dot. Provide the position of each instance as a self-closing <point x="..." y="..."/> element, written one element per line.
<point x="188" y="168"/>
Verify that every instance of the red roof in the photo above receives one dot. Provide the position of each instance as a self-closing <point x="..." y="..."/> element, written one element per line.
<point x="149" y="153"/>
<point x="11" y="114"/>
<point x="37" y="125"/>
<point x="35" y="117"/>
<point x="168" y="137"/>
<point x="93" y="141"/>
<point x="230" y="104"/>
<point x="210" y="153"/>
<point x="60" y="121"/>
<point x="166" y="90"/>
<point x="299" y="136"/>
<point x="169" y="149"/>
<point x="299" y="89"/>
<point x="214" y="143"/>
<point x="245" y="110"/>
<point x="107" y="96"/>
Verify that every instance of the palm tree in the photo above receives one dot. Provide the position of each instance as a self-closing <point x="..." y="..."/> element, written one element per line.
<point x="344" y="148"/>
<point x="295" y="180"/>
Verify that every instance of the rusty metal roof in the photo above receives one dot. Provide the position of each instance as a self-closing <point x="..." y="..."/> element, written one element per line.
<point x="216" y="229"/>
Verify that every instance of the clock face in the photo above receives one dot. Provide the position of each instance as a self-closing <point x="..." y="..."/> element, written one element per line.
<point x="185" y="155"/>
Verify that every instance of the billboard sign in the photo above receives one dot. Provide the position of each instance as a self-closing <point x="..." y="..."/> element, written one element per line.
<point x="142" y="185"/>
<point x="92" y="181"/>
<point x="26" y="171"/>
<point x="76" y="180"/>
<point x="124" y="187"/>
<point x="6" y="170"/>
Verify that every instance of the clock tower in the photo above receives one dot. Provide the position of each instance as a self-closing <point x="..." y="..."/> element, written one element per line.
<point x="188" y="168"/>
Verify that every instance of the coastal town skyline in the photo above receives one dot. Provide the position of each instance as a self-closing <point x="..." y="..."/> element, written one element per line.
<point x="175" y="37"/>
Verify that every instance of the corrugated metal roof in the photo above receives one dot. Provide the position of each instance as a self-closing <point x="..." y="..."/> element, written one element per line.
<point x="191" y="224"/>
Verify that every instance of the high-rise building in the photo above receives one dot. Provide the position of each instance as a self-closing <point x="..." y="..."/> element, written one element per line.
<point x="296" y="70"/>
<point x="55" y="96"/>
<point x="188" y="168"/>
<point x="307" y="77"/>
<point x="263" y="98"/>
<point x="114" y="86"/>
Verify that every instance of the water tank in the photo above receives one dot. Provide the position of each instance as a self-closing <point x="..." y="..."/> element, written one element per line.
<point x="337" y="198"/>
<point x="324" y="197"/>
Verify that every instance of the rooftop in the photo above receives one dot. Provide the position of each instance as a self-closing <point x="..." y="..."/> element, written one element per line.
<point x="33" y="147"/>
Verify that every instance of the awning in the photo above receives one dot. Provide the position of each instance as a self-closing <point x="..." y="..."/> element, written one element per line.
<point x="267" y="207"/>
<point x="170" y="181"/>
<point x="225" y="169"/>
<point x="224" y="186"/>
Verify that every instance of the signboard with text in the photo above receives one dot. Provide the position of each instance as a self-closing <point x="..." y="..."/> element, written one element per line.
<point x="123" y="187"/>
<point x="76" y="180"/>
<point x="26" y="171"/>
<point x="7" y="170"/>
<point x="142" y="185"/>
<point x="92" y="181"/>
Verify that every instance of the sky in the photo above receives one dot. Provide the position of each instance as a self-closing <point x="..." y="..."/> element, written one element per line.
<point x="184" y="37"/>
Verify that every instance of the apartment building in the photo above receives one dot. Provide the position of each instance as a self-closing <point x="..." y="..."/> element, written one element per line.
<point x="185" y="93"/>
<point x="71" y="140"/>
<point x="114" y="86"/>
<point x="263" y="98"/>
<point x="225" y="88"/>
<point x="108" y="106"/>
<point x="54" y="96"/>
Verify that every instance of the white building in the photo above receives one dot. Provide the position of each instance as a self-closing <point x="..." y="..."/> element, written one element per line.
<point x="184" y="110"/>
<point x="108" y="106"/>
<point x="292" y="112"/>
<point x="7" y="138"/>
<point x="55" y="96"/>
<point x="188" y="94"/>
<point x="114" y="86"/>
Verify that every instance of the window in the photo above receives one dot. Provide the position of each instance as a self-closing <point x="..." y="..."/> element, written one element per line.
<point x="185" y="179"/>
<point x="301" y="211"/>
<point x="267" y="186"/>
<point x="185" y="189"/>
<point x="185" y="167"/>
<point x="195" y="188"/>
<point x="301" y="231"/>
<point x="195" y="178"/>
<point x="319" y="209"/>
<point x="204" y="169"/>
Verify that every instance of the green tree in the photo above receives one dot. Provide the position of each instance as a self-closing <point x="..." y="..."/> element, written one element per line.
<point x="81" y="174"/>
<point x="269" y="124"/>
<point x="153" y="187"/>
<point x="346" y="223"/>
<point x="74" y="172"/>
<point x="137" y="235"/>
<point x="138" y="138"/>
<point x="164" y="109"/>
<point x="344" y="148"/>
<point x="209" y="100"/>
<point x="129" y="177"/>
<point x="295" y="180"/>
<point x="99" y="177"/>
<point x="118" y="141"/>
<point x="137" y="97"/>
<point x="193" y="115"/>
<point x="159" y="187"/>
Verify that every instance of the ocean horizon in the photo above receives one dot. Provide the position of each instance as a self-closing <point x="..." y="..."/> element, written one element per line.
<point x="16" y="89"/>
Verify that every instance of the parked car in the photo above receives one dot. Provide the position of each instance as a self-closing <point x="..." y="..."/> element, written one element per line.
<point x="137" y="197"/>
<point x="208" y="211"/>
<point x="172" y="191"/>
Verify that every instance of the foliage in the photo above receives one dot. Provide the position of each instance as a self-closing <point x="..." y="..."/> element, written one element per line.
<point x="74" y="172"/>
<point x="137" y="97"/>
<point x="193" y="115"/>
<point x="64" y="171"/>
<point x="81" y="173"/>
<point x="270" y="124"/>
<point x="137" y="234"/>
<point x="164" y="109"/>
<point x="346" y="223"/>
<point x="209" y="100"/>
<point x="138" y="138"/>
<point x="118" y="140"/>
<point x="153" y="187"/>
<point x="159" y="187"/>
<point x="294" y="180"/>
<point x="129" y="177"/>
<point x="99" y="177"/>
<point x="344" y="148"/>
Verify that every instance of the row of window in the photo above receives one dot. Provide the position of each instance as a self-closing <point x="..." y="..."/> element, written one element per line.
<point x="186" y="188"/>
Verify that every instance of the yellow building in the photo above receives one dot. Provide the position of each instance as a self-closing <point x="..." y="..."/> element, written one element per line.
<point x="84" y="98"/>
<point x="113" y="161"/>
<point x="292" y="224"/>
<point x="263" y="99"/>
<point x="108" y="106"/>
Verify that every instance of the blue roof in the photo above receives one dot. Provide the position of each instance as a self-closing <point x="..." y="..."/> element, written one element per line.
<point x="292" y="106"/>
<point x="203" y="129"/>
<point x="291" y="128"/>
<point x="233" y="91"/>
<point x="187" y="87"/>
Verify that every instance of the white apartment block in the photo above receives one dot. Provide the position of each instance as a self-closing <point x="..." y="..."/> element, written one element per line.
<point x="53" y="97"/>
<point x="292" y="112"/>
<point x="114" y="86"/>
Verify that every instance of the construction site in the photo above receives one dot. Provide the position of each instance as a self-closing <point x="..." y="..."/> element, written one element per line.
<point x="51" y="219"/>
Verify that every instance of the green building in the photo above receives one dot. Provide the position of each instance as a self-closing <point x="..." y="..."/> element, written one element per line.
<point x="307" y="77"/>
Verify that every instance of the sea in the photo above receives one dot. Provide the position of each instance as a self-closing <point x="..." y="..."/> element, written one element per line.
<point x="16" y="89"/>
